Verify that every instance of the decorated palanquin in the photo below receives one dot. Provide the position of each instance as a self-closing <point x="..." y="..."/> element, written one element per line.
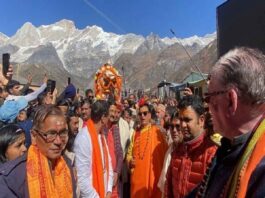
<point x="108" y="83"/>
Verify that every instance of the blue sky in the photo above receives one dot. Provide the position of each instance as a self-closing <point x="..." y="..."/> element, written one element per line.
<point x="185" y="17"/>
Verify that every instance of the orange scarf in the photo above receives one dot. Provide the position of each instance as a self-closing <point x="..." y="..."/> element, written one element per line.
<point x="39" y="177"/>
<point x="248" y="166"/>
<point x="97" y="166"/>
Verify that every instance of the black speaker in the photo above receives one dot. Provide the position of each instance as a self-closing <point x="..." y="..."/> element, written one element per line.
<point x="240" y="23"/>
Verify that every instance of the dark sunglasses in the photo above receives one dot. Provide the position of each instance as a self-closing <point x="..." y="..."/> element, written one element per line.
<point x="207" y="96"/>
<point x="143" y="113"/>
<point x="174" y="126"/>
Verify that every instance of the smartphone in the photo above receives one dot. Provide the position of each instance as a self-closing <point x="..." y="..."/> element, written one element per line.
<point x="69" y="81"/>
<point x="51" y="84"/>
<point x="77" y="90"/>
<point x="6" y="63"/>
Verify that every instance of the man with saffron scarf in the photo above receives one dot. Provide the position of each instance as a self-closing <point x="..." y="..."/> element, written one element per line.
<point x="43" y="171"/>
<point x="236" y="96"/>
<point x="146" y="156"/>
<point x="93" y="162"/>
<point x="112" y="134"/>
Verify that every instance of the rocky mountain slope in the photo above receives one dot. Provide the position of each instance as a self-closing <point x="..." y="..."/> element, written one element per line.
<point x="62" y="50"/>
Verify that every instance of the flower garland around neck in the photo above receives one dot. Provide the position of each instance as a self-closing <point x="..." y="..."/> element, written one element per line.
<point x="138" y="141"/>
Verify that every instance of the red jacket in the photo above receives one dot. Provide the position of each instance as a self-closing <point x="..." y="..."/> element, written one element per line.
<point x="188" y="165"/>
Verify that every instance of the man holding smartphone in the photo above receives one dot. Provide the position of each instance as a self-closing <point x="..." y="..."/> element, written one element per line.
<point x="5" y="75"/>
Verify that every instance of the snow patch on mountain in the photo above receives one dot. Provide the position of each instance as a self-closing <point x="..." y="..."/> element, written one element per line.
<point x="57" y="31"/>
<point x="82" y="51"/>
<point x="3" y="38"/>
<point x="202" y="41"/>
<point x="27" y="35"/>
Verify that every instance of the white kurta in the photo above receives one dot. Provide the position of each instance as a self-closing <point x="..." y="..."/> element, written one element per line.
<point x="83" y="162"/>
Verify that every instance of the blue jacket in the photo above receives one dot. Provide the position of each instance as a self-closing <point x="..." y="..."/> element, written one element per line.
<point x="13" y="181"/>
<point x="26" y="126"/>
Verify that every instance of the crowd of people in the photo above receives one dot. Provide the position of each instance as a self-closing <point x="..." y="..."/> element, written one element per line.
<point x="70" y="145"/>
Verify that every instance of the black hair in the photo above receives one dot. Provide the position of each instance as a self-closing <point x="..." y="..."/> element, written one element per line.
<point x="11" y="84"/>
<point x="131" y="103"/>
<point x="64" y="102"/>
<point x="153" y="112"/>
<point x="194" y="101"/>
<point x="28" y="111"/>
<point x="8" y="135"/>
<point x="86" y="101"/>
<point x="175" y="115"/>
<point x="41" y="97"/>
<point x="70" y="144"/>
<point x="151" y="109"/>
<point x="99" y="109"/>
<point x="127" y="109"/>
<point x="88" y="91"/>
<point x="76" y="106"/>
<point x="70" y="113"/>
<point x="170" y="110"/>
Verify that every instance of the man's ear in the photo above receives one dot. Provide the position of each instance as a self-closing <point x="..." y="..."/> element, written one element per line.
<point x="202" y="119"/>
<point x="232" y="102"/>
<point x="33" y="137"/>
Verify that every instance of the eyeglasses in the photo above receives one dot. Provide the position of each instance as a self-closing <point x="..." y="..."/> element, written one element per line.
<point x="174" y="126"/>
<point x="50" y="136"/>
<point x="207" y="96"/>
<point x="143" y="113"/>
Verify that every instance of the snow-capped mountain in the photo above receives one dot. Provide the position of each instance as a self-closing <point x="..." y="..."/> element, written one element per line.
<point x="82" y="51"/>
<point x="202" y="41"/>
<point x="3" y="38"/>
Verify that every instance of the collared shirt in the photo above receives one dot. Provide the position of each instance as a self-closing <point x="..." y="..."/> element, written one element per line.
<point x="83" y="162"/>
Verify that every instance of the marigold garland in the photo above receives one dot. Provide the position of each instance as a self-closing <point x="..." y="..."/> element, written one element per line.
<point x="108" y="82"/>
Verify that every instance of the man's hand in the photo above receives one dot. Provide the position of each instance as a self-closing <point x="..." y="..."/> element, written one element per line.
<point x="9" y="73"/>
<point x="108" y="195"/>
<point x="187" y="91"/>
<point x="54" y="95"/>
<point x="4" y="79"/>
